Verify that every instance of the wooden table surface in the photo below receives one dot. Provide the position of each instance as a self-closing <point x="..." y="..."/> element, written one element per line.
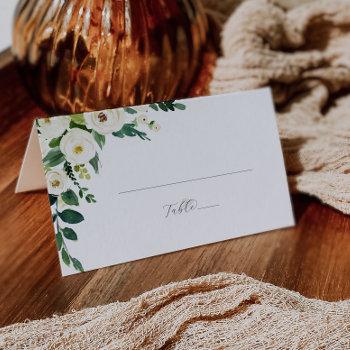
<point x="312" y="258"/>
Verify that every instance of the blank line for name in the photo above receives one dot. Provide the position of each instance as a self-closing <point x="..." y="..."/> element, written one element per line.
<point x="189" y="180"/>
<point x="209" y="206"/>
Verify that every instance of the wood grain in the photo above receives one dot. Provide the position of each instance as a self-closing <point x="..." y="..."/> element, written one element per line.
<point x="313" y="258"/>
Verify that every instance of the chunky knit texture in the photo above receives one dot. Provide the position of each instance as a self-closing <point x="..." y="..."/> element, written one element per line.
<point x="303" y="54"/>
<point x="223" y="311"/>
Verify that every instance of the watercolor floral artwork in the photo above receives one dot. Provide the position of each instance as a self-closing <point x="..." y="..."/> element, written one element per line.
<point x="71" y="148"/>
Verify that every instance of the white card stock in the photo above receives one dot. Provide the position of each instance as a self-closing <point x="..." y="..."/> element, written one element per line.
<point x="135" y="182"/>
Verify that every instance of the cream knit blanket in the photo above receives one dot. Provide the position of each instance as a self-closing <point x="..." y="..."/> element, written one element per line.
<point x="304" y="55"/>
<point x="223" y="311"/>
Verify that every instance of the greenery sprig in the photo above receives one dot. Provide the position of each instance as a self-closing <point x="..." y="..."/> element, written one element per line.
<point x="62" y="233"/>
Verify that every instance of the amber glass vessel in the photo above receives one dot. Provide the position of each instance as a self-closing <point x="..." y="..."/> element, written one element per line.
<point x="81" y="55"/>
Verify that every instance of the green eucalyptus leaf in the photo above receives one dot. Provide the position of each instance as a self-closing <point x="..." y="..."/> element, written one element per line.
<point x="54" y="157"/>
<point x="70" y="198"/>
<point x="78" y="119"/>
<point x="71" y="216"/>
<point x="73" y="125"/>
<point x="163" y="106"/>
<point x="130" y="110"/>
<point x="129" y="130"/>
<point x="100" y="139"/>
<point x="169" y="104"/>
<point x="90" y="198"/>
<point x="69" y="234"/>
<point x="94" y="163"/>
<point x="118" y="134"/>
<point x="59" y="240"/>
<point x="55" y="142"/>
<point x="77" y="265"/>
<point x="154" y="106"/>
<point x="180" y="106"/>
<point x="65" y="257"/>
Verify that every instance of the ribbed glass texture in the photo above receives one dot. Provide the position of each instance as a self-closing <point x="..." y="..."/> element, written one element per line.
<point x="82" y="55"/>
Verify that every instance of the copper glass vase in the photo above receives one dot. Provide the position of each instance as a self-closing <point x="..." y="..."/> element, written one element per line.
<point x="81" y="55"/>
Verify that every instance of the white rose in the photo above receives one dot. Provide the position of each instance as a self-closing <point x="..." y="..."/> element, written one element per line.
<point x="53" y="127"/>
<point x="78" y="146"/>
<point x="105" y="122"/>
<point x="142" y="119"/>
<point x="57" y="182"/>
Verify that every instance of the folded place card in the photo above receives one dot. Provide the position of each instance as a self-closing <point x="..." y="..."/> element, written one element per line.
<point x="133" y="182"/>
